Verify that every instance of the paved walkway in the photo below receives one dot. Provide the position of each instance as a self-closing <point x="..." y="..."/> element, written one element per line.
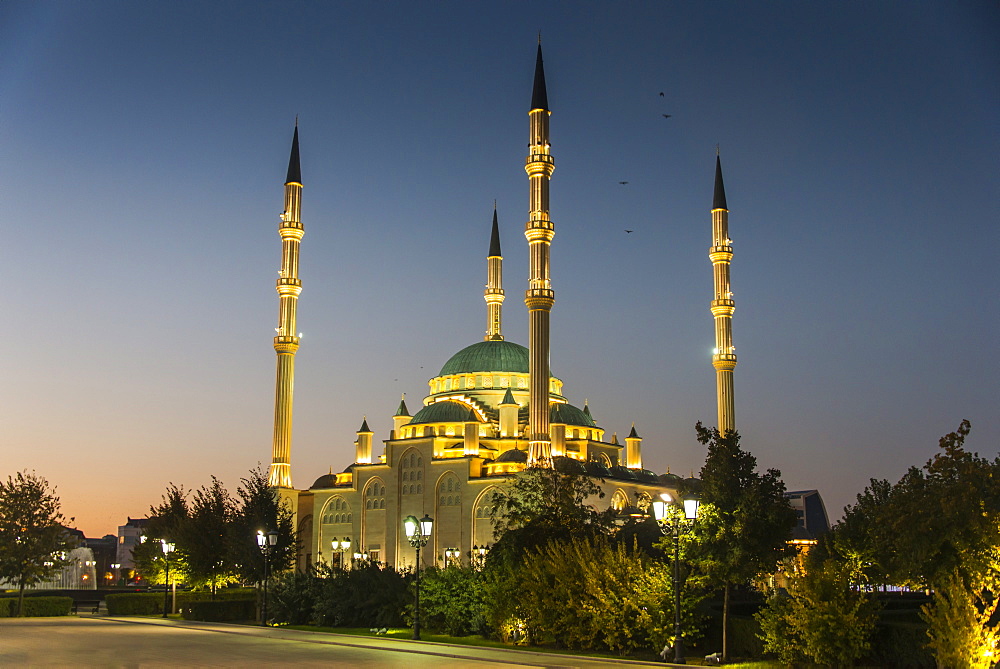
<point x="152" y="642"/>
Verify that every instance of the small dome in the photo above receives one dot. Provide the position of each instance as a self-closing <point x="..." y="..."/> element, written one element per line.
<point x="442" y="412"/>
<point x="646" y="476"/>
<point x="488" y="356"/>
<point x="513" y="455"/>
<point x="567" y="465"/>
<point x="597" y="469"/>
<point x="325" y="481"/>
<point x="620" y="472"/>
<point x="568" y="414"/>
<point x="670" y="479"/>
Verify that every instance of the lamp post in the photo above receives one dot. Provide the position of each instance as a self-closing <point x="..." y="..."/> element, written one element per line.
<point x="118" y="572"/>
<point x="265" y="543"/>
<point x="661" y="509"/>
<point x="479" y="556"/>
<point x="340" y="548"/>
<point x="417" y="533"/>
<point x="168" y="548"/>
<point x="451" y="555"/>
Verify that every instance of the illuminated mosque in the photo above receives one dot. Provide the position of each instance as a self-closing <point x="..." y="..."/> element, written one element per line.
<point x="493" y="410"/>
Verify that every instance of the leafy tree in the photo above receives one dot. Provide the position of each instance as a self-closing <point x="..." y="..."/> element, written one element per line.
<point x="260" y="509"/>
<point x="960" y="629"/>
<point x="203" y="537"/>
<point x="166" y="523"/>
<point x="590" y="594"/>
<point x="33" y="541"/>
<point x="745" y="521"/>
<point x="453" y="599"/>
<point x="545" y="504"/>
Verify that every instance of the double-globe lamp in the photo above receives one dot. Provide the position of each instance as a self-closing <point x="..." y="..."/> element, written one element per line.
<point x="661" y="508"/>
<point x="418" y="532"/>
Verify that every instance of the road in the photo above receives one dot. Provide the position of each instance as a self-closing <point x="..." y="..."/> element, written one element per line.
<point x="150" y="642"/>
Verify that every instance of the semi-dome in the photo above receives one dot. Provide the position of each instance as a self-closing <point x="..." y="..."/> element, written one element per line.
<point x="495" y="355"/>
<point x="513" y="455"/>
<point x="325" y="481"/>
<point x="447" y="411"/>
<point x="568" y="414"/>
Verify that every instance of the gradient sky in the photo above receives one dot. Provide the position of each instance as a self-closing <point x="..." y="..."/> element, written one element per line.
<point x="143" y="148"/>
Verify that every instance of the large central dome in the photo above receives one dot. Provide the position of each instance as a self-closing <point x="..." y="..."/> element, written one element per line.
<point x="488" y="356"/>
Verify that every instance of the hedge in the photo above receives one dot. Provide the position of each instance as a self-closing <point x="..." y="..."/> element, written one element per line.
<point x="151" y="603"/>
<point x="220" y="610"/>
<point x="37" y="606"/>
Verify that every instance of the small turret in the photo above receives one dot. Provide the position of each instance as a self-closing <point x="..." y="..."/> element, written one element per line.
<point x="363" y="446"/>
<point x="472" y="433"/>
<point x="508" y="416"/>
<point x="633" y="452"/>
<point x="401" y="418"/>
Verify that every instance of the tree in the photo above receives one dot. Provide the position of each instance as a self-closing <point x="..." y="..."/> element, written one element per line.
<point x="824" y="617"/>
<point x="260" y="509"/>
<point x="166" y="523"/>
<point x="33" y="541"/>
<point x="453" y="599"/>
<point x="937" y="528"/>
<point x="541" y="505"/>
<point x="204" y="536"/>
<point x="745" y="521"/>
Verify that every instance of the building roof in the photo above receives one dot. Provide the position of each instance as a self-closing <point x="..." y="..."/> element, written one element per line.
<point x="568" y="414"/>
<point x="447" y="411"/>
<point x="494" y="355"/>
<point x="513" y="455"/>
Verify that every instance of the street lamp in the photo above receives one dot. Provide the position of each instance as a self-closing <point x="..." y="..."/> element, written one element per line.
<point x="118" y="572"/>
<point x="339" y="548"/>
<point x="417" y="533"/>
<point x="479" y="555"/>
<point x="451" y="555"/>
<point x="168" y="548"/>
<point x="673" y="522"/>
<point x="265" y="543"/>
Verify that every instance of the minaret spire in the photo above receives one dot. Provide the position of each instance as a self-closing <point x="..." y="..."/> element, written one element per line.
<point x="286" y="343"/>
<point x="494" y="283"/>
<point x="723" y="306"/>
<point x="539" y="297"/>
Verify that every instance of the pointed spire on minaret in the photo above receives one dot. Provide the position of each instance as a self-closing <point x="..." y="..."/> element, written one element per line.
<point x="539" y="98"/>
<point x="719" y="199"/>
<point x="364" y="425"/>
<point x="402" y="410"/>
<point x="494" y="294"/>
<point x="633" y="434"/>
<point x="495" y="235"/>
<point x="294" y="171"/>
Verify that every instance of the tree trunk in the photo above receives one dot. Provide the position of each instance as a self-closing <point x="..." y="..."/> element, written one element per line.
<point x="725" y="624"/>
<point x="20" y="598"/>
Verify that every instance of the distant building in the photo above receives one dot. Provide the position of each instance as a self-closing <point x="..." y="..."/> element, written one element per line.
<point x="128" y="536"/>
<point x="811" y="513"/>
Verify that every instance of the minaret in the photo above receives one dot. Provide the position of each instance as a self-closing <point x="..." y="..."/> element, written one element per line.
<point x="494" y="283"/>
<point x="539" y="296"/>
<point x="723" y="306"/>
<point x="286" y="343"/>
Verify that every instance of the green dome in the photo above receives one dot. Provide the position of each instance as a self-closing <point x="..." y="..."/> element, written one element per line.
<point x="569" y="415"/>
<point x="488" y="356"/>
<point x="442" y="412"/>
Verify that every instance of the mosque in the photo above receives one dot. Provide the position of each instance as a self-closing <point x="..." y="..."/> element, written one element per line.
<point x="493" y="410"/>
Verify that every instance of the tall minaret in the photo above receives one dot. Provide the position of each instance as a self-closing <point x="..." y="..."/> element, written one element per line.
<point x="494" y="283"/>
<point x="723" y="306"/>
<point x="539" y="296"/>
<point x="286" y="343"/>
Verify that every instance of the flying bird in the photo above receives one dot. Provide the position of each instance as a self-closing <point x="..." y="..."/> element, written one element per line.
<point x="623" y="182"/>
<point x="628" y="232"/>
<point x="667" y="115"/>
<point x="661" y="94"/>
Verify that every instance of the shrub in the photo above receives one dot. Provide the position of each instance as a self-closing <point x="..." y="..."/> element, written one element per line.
<point x="372" y="595"/>
<point x="292" y="598"/>
<point x="134" y="604"/>
<point x="37" y="606"/>
<point x="453" y="600"/>
<point x="223" y="610"/>
<point x="900" y="645"/>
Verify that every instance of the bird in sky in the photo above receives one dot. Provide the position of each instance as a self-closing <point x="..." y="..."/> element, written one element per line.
<point x="623" y="182"/>
<point x="661" y="94"/>
<point x="667" y="115"/>
<point x="628" y="232"/>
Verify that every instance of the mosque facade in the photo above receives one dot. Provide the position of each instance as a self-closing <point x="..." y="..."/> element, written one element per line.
<point x="492" y="411"/>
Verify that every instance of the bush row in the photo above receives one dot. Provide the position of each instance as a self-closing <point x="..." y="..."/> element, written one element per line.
<point x="151" y="603"/>
<point x="37" y="606"/>
<point x="220" y="610"/>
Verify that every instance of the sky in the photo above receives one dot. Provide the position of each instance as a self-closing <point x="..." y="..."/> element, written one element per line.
<point x="143" y="148"/>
